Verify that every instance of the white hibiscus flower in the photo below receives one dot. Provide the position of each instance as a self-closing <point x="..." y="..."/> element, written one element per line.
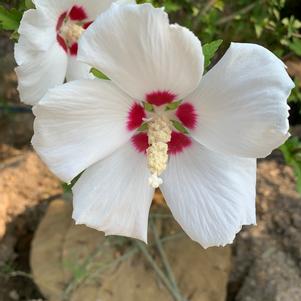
<point x="132" y="133"/>
<point x="47" y="48"/>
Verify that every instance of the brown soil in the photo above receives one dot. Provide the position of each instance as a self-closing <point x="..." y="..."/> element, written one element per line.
<point x="266" y="258"/>
<point x="26" y="187"/>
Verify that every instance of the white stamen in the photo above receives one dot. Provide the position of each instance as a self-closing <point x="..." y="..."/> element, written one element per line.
<point x="159" y="134"/>
<point x="71" y="32"/>
<point x="155" y="181"/>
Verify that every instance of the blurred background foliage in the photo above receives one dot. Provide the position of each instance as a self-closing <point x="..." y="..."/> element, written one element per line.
<point x="275" y="24"/>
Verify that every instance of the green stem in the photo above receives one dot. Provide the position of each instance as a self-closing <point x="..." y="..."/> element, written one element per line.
<point x="165" y="261"/>
<point x="242" y="11"/>
<point x="17" y="274"/>
<point x="74" y="284"/>
<point x="77" y="282"/>
<point x="161" y="275"/>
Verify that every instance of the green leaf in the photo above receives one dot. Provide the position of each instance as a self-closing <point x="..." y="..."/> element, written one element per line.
<point x="148" y="106"/>
<point x="258" y="30"/>
<point x="98" y="74"/>
<point x="29" y="4"/>
<point x="179" y="127"/>
<point x="171" y="6"/>
<point x="10" y="19"/>
<point x="295" y="46"/>
<point x="219" y="4"/>
<point x="209" y="51"/>
<point x="173" y="106"/>
<point x="143" y="127"/>
<point x="67" y="187"/>
<point x="291" y="151"/>
<point x="295" y="95"/>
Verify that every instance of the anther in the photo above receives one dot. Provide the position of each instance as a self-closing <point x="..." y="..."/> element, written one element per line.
<point x="159" y="134"/>
<point x="71" y="32"/>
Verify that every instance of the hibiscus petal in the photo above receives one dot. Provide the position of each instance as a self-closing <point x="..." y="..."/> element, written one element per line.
<point x="24" y="51"/>
<point x="92" y="8"/>
<point x="135" y="46"/>
<point x="35" y="77"/>
<point x="113" y="195"/>
<point x="241" y="103"/>
<point x="125" y="1"/>
<point x="211" y="195"/>
<point x="77" y="70"/>
<point x="96" y="7"/>
<point x="38" y="29"/>
<point x="54" y="8"/>
<point x="78" y="124"/>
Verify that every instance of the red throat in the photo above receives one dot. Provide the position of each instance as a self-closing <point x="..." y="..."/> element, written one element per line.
<point x="135" y="116"/>
<point x="78" y="15"/>
<point x="160" y="98"/>
<point x="177" y="144"/>
<point x="187" y="115"/>
<point x="179" y="119"/>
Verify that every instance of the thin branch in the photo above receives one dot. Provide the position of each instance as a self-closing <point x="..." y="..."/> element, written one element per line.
<point x="296" y="35"/>
<point x="197" y="18"/>
<point x="165" y="261"/>
<point x="161" y="275"/>
<point x="242" y="11"/>
<point x="75" y="283"/>
<point x="209" y="4"/>
<point x="17" y="274"/>
<point x="172" y="237"/>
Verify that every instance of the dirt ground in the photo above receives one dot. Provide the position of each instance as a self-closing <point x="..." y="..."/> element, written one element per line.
<point x="266" y="259"/>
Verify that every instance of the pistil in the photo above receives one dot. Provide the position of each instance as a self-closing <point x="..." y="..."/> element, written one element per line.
<point x="159" y="134"/>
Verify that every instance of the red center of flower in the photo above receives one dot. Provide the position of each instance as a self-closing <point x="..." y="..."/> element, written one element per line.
<point x="70" y="26"/>
<point x="182" y="115"/>
<point x="177" y="144"/>
<point x="160" y="98"/>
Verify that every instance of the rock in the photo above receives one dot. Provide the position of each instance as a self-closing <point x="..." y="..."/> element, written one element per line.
<point x="79" y="263"/>
<point x="46" y="255"/>
<point x="267" y="258"/>
<point x="277" y="278"/>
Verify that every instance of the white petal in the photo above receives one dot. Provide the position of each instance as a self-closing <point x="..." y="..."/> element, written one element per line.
<point x="113" y="195"/>
<point x="54" y="8"/>
<point x="211" y="195"/>
<point x="242" y="103"/>
<point x="24" y="51"/>
<point x="125" y="2"/>
<point x="38" y="29"/>
<point x="79" y="123"/>
<point x="77" y="69"/>
<point x="135" y="46"/>
<point x="94" y="7"/>
<point x="45" y="71"/>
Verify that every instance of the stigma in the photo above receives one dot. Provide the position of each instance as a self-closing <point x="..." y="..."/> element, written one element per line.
<point x="159" y="130"/>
